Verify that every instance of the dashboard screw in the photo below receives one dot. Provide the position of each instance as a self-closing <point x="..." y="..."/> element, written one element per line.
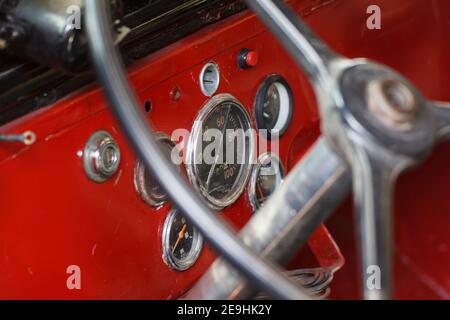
<point x="175" y="94"/>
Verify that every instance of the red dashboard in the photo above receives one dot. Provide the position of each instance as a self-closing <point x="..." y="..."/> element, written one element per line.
<point x="53" y="216"/>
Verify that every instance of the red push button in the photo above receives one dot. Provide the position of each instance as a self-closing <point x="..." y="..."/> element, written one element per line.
<point x="248" y="59"/>
<point x="252" y="58"/>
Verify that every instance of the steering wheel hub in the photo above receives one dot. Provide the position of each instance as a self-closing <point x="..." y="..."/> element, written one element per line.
<point x="392" y="102"/>
<point x="382" y="107"/>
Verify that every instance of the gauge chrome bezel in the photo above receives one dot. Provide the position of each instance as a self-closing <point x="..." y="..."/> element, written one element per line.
<point x="93" y="160"/>
<point x="286" y="105"/>
<point x="193" y="144"/>
<point x="140" y="176"/>
<point x="262" y="159"/>
<point x="214" y="68"/>
<point x="168" y="257"/>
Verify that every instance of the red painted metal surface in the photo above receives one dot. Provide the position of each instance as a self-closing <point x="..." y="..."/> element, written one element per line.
<point x="52" y="216"/>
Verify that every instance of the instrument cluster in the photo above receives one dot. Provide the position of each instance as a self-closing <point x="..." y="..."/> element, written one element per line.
<point x="222" y="158"/>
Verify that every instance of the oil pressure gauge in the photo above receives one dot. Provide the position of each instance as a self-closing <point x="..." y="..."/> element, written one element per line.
<point x="265" y="180"/>
<point x="274" y="105"/>
<point x="182" y="243"/>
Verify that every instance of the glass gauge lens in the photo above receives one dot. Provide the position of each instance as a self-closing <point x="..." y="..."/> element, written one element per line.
<point x="271" y="106"/>
<point x="182" y="243"/>
<point x="146" y="184"/>
<point x="267" y="176"/>
<point x="221" y="150"/>
<point x="274" y="105"/>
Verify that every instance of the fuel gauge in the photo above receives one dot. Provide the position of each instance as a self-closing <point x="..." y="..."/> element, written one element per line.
<point x="182" y="243"/>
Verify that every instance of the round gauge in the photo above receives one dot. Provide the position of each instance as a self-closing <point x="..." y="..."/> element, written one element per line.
<point x="266" y="177"/>
<point x="182" y="243"/>
<point x="274" y="105"/>
<point x="221" y="151"/>
<point x="146" y="184"/>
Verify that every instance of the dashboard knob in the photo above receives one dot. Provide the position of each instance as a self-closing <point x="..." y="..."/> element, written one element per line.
<point x="101" y="157"/>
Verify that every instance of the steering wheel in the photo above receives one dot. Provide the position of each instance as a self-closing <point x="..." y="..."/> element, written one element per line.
<point x="375" y="124"/>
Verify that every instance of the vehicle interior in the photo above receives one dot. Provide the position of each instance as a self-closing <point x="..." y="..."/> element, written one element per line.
<point x="224" y="149"/>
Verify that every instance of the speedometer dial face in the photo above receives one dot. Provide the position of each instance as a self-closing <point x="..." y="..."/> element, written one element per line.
<point x="221" y="151"/>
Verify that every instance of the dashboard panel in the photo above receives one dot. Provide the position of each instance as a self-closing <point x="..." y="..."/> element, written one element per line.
<point x="54" y="216"/>
<point x="112" y="229"/>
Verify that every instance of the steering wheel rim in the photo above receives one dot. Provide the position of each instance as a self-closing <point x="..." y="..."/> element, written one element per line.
<point x="375" y="150"/>
<point x="111" y="74"/>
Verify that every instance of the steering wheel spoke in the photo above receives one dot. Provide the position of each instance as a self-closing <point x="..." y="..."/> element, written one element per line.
<point x="310" y="192"/>
<point x="375" y="120"/>
<point x="374" y="177"/>
<point x="309" y="51"/>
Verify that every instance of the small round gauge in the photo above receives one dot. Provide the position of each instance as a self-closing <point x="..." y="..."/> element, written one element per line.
<point x="274" y="105"/>
<point x="221" y="151"/>
<point x="145" y="183"/>
<point x="266" y="177"/>
<point x="182" y="243"/>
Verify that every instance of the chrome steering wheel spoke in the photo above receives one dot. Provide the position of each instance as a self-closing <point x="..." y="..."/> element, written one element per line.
<point x="310" y="192"/>
<point x="309" y="51"/>
<point x="374" y="119"/>
<point x="374" y="177"/>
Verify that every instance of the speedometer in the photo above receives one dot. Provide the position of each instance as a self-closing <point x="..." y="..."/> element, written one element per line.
<point x="221" y="151"/>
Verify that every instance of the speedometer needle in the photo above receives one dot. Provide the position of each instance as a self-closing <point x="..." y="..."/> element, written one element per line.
<point x="219" y="152"/>
<point x="180" y="236"/>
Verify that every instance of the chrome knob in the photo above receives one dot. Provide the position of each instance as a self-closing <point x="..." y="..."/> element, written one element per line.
<point x="101" y="157"/>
